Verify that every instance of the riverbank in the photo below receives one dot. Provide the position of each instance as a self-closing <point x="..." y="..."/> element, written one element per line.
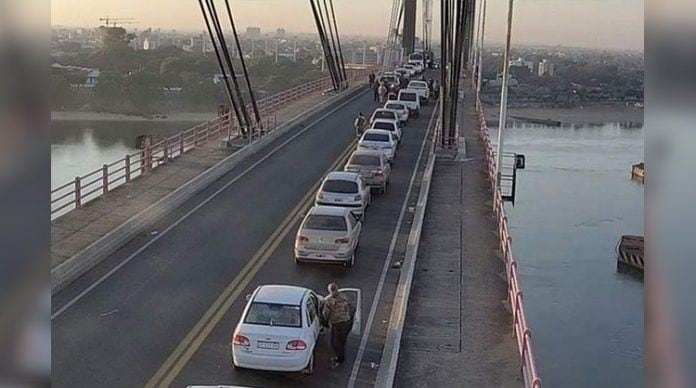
<point x="99" y="116"/>
<point x="591" y="115"/>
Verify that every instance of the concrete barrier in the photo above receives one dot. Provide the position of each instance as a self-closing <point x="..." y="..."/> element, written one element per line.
<point x="392" y="343"/>
<point x="70" y="270"/>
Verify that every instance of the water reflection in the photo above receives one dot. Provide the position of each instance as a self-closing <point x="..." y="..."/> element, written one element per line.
<point x="78" y="147"/>
<point x="574" y="200"/>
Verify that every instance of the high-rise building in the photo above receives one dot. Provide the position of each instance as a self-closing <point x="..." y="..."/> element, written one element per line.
<point x="546" y="68"/>
<point x="253" y="32"/>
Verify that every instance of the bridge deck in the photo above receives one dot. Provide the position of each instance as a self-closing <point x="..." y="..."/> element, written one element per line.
<point x="458" y="331"/>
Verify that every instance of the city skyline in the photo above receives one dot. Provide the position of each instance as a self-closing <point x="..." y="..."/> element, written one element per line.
<point x="611" y="24"/>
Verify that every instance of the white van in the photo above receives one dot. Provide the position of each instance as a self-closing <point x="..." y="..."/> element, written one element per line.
<point x="411" y="98"/>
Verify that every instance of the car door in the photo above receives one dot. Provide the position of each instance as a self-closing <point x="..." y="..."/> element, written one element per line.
<point x="354" y="298"/>
<point x="312" y="308"/>
<point x="364" y="191"/>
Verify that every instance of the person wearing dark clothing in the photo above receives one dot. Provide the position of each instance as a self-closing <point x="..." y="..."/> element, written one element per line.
<point x="372" y="79"/>
<point x="403" y="82"/>
<point x="336" y="312"/>
<point x="375" y="89"/>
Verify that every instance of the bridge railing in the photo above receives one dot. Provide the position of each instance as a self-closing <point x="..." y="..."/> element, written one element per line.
<point x="97" y="183"/>
<point x="522" y="332"/>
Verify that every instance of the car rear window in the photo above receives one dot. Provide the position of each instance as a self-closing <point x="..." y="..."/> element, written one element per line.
<point x="340" y="186"/>
<point x="408" y="96"/>
<point x="384" y="114"/>
<point x="376" y="137"/>
<point x="383" y="125"/>
<point x="324" y="222"/>
<point x="365" y="160"/>
<point x="274" y="314"/>
<point x="418" y="85"/>
<point x="395" y="106"/>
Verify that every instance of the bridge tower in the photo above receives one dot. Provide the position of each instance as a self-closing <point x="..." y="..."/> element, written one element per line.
<point x="409" y="31"/>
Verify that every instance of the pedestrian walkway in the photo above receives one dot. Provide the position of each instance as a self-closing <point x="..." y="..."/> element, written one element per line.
<point x="76" y="230"/>
<point x="458" y="331"/>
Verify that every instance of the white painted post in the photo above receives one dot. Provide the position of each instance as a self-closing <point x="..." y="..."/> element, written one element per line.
<point x="503" y="99"/>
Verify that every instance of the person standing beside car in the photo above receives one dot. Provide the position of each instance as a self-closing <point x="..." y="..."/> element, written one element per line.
<point x="336" y="313"/>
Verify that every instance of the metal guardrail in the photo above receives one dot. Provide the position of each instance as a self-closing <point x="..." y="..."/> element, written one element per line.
<point x="95" y="184"/>
<point x="522" y="332"/>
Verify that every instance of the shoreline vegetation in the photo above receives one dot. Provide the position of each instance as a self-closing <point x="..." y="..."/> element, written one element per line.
<point x="103" y="116"/>
<point x="588" y="115"/>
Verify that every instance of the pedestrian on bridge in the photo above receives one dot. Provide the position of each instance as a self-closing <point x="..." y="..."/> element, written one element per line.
<point x="336" y="312"/>
<point x="372" y="79"/>
<point x="383" y="93"/>
<point x="375" y="89"/>
<point x="359" y="124"/>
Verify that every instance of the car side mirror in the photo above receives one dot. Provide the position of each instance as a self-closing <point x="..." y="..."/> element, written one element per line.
<point x="248" y="297"/>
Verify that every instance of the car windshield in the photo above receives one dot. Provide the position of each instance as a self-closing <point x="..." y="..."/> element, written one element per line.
<point x="384" y="114"/>
<point x="340" y="186"/>
<point x="365" y="160"/>
<point x="325" y="222"/>
<point x="395" y="106"/>
<point x="408" y="96"/>
<point x="376" y="137"/>
<point x="383" y="125"/>
<point x="274" y="314"/>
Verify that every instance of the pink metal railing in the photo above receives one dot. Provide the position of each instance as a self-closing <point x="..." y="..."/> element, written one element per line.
<point x="97" y="183"/>
<point x="523" y="333"/>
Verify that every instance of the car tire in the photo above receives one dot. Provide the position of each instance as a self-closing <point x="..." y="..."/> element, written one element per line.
<point x="298" y="261"/>
<point x="309" y="369"/>
<point x="349" y="263"/>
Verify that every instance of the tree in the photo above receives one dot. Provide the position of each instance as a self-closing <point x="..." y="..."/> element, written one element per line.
<point x="115" y="38"/>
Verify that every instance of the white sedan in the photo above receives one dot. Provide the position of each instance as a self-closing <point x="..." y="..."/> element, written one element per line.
<point x="391" y="125"/>
<point x="280" y="326"/>
<point x="328" y="234"/>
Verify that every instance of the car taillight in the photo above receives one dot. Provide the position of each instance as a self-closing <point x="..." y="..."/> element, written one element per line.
<point x="296" y="345"/>
<point x="379" y="173"/>
<point x="302" y="239"/>
<point x="320" y="195"/>
<point x="357" y="198"/>
<point x="344" y="240"/>
<point x="240" y="340"/>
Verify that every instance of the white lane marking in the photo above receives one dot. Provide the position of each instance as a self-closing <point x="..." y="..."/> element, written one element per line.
<point x="190" y="212"/>
<point x="385" y="268"/>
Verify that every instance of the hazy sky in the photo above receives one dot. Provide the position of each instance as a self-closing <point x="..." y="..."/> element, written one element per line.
<point x="616" y="24"/>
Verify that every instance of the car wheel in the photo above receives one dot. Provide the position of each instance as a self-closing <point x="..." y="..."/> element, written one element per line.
<point x="298" y="261"/>
<point x="309" y="369"/>
<point x="349" y="263"/>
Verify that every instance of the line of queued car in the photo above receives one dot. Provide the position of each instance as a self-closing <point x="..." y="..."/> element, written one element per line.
<point x="280" y="325"/>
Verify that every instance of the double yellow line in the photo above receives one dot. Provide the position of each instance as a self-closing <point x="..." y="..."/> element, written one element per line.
<point x="178" y="359"/>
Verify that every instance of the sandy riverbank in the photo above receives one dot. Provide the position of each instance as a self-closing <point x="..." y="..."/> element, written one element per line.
<point x="599" y="114"/>
<point x="98" y="116"/>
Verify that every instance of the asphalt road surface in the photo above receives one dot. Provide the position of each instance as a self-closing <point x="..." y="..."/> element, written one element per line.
<point x="160" y="310"/>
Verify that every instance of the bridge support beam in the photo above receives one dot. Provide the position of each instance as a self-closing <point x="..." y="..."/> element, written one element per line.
<point x="409" y="31"/>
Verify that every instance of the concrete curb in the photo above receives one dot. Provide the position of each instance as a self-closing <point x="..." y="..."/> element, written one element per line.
<point x="390" y="355"/>
<point x="70" y="270"/>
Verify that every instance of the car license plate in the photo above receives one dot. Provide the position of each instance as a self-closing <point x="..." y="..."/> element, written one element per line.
<point x="267" y="345"/>
<point x="338" y="200"/>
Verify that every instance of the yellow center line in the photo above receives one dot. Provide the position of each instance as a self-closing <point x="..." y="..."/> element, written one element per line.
<point x="178" y="359"/>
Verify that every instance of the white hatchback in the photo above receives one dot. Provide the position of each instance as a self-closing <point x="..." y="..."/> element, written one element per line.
<point x="391" y="125"/>
<point x="379" y="140"/>
<point x="422" y="88"/>
<point x="346" y="189"/>
<point x="400" y="108"/>
<point x="280" y="326"/>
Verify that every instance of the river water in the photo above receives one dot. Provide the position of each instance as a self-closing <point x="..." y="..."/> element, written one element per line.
<point x="574" y="201"/>
<point x="79" y="146"/>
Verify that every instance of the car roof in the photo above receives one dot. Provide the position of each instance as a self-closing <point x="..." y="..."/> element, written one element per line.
<point x="408" y="91"/>
<point x="344" y="175"/>
<point x="321" y="210"/>
<point x="368" y="152"/>
<point x="283" y="294"/>
<point x="382" y="110"/>
<point x="394" y="102"/>
<point x="379" y="131"/>
<point x="420" y="82"/>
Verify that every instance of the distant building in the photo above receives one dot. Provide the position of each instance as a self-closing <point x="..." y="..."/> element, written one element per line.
<point x="149" y="44"/>
<point x="253" y="32"/>
<point x="92" y="78"/>
<point x="546" y="68"/>
<point x="280" y="33"/>
<point x="520" y="62"/>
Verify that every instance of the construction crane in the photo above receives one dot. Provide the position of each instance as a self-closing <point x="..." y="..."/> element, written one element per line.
<point x="116" y="21"/>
